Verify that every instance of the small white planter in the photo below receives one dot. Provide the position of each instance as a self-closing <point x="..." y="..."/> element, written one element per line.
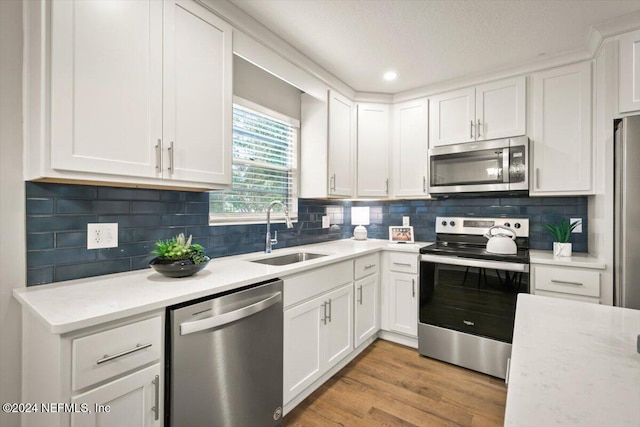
<point x="562" y="249"/>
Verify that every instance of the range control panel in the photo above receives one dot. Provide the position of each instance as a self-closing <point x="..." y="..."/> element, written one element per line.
<point x="479" y="226"/>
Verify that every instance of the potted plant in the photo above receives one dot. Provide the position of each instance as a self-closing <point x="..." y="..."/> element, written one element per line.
<point x="178" y="257"/>
<point x="561" y="233"/>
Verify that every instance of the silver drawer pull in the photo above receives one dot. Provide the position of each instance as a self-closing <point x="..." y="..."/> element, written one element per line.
<point x="138" y="347"/>
<point x="562" y="282"/>
<point x="367" y="267"/>
<point x="402" y="263"/>
<point x="156" y="407"/>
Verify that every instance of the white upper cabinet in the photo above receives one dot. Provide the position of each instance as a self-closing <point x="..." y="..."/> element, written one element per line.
<point x="106" y="86"/>
<point x="489" y="111"/>
<point x="341" y="142"/>
<point x="452" y="117"/>
<point x="140" y="93"/>
<point x="197" y="94"/>
<point x="629" y="78"/>
<point x="410" y="149"/>
<point x="560" y="131"/>
<point x="373" y="150"/>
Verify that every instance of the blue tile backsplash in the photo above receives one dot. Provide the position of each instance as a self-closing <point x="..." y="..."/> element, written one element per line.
<point x="57" y="217"/>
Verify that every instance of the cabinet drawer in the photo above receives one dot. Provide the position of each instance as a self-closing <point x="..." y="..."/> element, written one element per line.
<point x="107" y="354"/>
<point x="567" y="280"/>
<point x="315" y="282"/>
<point x="403" y="263"/>
<point x="367" y="265"/>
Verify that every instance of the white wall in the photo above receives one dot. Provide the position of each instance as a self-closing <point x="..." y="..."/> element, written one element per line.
<point x="12" y="204"/>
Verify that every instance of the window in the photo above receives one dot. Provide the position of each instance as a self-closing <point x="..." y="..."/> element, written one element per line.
<point x="265" y="167"/>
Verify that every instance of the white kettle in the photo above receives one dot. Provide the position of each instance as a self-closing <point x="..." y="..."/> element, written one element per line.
<point x="501" y="243"/>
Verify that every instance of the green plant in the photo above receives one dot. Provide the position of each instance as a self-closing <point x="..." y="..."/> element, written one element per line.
<point x="562" y="231"/>
<point x="177" y="248"/>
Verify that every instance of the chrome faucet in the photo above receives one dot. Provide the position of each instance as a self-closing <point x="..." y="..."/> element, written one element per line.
<point x="269" y="241"/>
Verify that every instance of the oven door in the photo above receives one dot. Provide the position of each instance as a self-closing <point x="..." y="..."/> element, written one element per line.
<point x="472" y="296"/>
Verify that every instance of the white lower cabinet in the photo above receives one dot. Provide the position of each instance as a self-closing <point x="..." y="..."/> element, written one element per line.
<point x="367" y="308"/>
<point x="317" y="335"/>
<point x="574" y="283"/>
<point x="401" y="294"/>
<point x="131" y="401"/>
<point x="109" y="375"/>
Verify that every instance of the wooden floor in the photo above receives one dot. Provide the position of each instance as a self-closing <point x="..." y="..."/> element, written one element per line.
<point x="392" y="385"/>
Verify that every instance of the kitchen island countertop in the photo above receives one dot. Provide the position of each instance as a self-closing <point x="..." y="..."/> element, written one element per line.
<point x="75" y="304"/>
<point x="573" y="364"/>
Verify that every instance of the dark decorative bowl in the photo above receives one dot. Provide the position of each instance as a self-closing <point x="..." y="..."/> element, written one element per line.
<point x="176" y="268"/>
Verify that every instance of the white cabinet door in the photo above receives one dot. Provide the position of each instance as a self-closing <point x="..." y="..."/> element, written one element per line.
<point x="197" y="94"/>
<point x="500" y="109"/>
<point x="373" y="150"/>
<point x="629" y="89"/>
<point x="131" y="401"/>
<point x="341" y="138"/>
<point x="106" y="86"/>
<point x="367" y="310"/>
<point x="303" y="348"/>
<point x="338" y="331"/>
<point x="561" y="131"/>
<point x="403" y="306"/>
<point x="410" y="149"/>
<point x="452" y="117"/>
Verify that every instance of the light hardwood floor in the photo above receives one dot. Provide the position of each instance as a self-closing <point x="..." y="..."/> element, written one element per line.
<point x="392" y="385"/>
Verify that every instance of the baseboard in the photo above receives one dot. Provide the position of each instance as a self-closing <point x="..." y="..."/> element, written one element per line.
<point x="399" y="338"/>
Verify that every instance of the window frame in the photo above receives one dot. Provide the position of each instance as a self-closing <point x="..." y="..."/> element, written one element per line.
<point x="217" y="219"/>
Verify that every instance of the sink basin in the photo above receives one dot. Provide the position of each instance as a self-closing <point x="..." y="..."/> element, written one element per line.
<point x="288" y="258"/>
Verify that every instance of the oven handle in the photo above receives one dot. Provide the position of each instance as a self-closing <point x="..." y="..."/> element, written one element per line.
<point x="469" y="262"/>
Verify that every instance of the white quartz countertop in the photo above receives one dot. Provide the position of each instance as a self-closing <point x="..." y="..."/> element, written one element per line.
<point x="578" y="259"/>
<point x="573" y="364"/>
<point x="76" y="304"/>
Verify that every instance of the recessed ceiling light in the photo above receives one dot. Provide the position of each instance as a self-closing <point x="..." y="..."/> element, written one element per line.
<point x="390" y="75"/>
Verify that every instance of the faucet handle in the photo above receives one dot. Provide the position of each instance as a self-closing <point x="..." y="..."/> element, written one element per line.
<point x="274" y="241"/>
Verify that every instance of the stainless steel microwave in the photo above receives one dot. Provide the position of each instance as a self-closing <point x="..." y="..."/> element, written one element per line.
<point x="479" y="167"/>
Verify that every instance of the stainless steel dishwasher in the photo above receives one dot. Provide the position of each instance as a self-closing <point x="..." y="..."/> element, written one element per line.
<point x="224" y="359"/>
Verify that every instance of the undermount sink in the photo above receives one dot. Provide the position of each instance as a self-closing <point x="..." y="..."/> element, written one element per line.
<point x="288" y="258"/>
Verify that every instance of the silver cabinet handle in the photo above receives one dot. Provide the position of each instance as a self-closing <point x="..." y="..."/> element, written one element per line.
<point x="222" y="319"/>
<point x="156" y="407"/>
<point x="405" y="264"/>
<point x="159" y="156"/>
<point x="330" y="313"/>
<point x="387" y="185"/>
<point x="424" y="184"/>
<point x="537" y="177"/>
<point x="324" y="313"/>
<point x="413" y="287"/>
<point x="360" y="292"/>
<point x="562" y="282"/>
<point x="138" y="347"/>
<point x="471" y="130"/>
<point x="332" y="183"/>
<point x="478" y="129"/>
<point x="367" y="267"/>
<point x="171" y="152"/>
<point x="506" y="377"/>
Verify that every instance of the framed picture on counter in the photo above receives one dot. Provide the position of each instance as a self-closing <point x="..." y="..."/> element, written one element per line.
<point x="401" y="234"/>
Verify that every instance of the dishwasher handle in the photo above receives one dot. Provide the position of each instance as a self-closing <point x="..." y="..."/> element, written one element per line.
<point x="222" y="319"/>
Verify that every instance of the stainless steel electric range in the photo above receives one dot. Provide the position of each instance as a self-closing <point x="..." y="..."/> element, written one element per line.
<point x="468" y="295"/>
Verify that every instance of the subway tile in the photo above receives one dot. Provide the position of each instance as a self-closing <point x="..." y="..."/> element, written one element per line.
<point x="195" y="196"/>
<point x="141" y="262"/>
<point x="115" y="193"/>
<point x="90" y="269"/>
<point x="39" y="206"/>
<point x="130" y="221"/>
<point x="71" y="239"/>
<point x="49" y="190"/>
<point x="196" y="208"/>
<point x="38" y="241"/>
<point x="59" y="256"/>
<point x="39" y="276"/>
<point x="181" y="219"/>
<point x="64" y="206"/>
<point x="154" y="234"/>
<point x="126" y="250"/>
<point x="58" y="223"/>
<point x="146" y="207"/>
<point x="172" y="196"/>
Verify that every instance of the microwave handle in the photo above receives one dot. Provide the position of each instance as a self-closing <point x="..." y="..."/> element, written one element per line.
<point x="505" y="165"/>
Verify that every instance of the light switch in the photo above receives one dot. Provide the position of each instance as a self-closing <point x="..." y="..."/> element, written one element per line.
<point x="325" y="221"/>
<point x="406" y="221"/>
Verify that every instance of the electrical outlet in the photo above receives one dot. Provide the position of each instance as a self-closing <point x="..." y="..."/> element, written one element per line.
<point x="325" y="221"/>
<point x="406" y="221"/>
<point x="578" y="229"/>
<point x="103" y="235"/>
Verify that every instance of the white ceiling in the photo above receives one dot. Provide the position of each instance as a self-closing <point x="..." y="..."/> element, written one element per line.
<point x="430" y="41"/>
